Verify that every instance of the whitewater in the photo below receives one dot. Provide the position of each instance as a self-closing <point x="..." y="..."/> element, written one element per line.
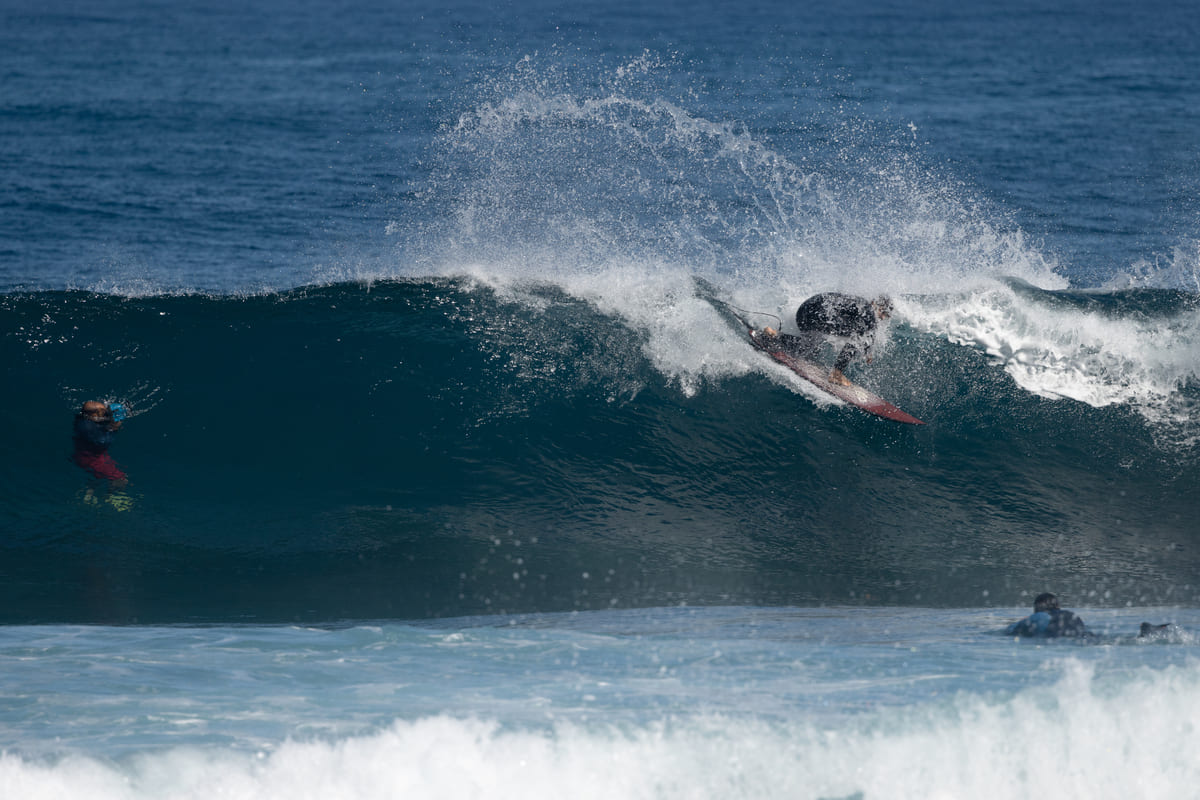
<point x="751" y="702"/>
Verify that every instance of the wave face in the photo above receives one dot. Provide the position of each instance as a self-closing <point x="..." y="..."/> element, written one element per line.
<point x="423" y="448"/>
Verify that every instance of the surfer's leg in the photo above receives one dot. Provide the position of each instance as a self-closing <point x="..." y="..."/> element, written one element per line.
<point x="847" y="354"/>
<point x="807" y="345"/>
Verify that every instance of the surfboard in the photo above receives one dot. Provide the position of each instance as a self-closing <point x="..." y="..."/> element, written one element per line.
<point x="818" y="375"/>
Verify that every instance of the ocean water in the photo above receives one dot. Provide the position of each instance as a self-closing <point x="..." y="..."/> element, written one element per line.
<point x="695" y="703"/>
<point x="447" y="477"/>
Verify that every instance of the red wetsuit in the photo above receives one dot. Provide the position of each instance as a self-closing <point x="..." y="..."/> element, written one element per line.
<point x="91" y="449"/>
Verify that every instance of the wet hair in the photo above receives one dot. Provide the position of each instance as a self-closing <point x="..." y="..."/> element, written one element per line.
<point x="883" y="305"/>
<point x="1045" y="602"/>
<point x="95" y="407"/>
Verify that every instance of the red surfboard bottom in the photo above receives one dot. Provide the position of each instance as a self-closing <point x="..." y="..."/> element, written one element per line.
<point x="853" y="394"/>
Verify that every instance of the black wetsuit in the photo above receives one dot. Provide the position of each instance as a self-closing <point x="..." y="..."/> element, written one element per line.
<point x="1055" y="622"/>
<point x="833" y="314"/>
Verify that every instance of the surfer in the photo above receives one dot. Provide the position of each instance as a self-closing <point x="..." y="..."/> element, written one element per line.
<point x="1048" y="620"/>
<point x="96" y="426"/>
<point x="838" y="316"/>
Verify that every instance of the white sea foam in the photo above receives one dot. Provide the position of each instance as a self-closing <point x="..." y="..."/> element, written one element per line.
<point x="1181" y="270"/>
<point x="1070" y="352"/>
<point x="1078" y="736"/>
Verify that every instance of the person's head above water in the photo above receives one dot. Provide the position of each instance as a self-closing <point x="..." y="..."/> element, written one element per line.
<point x="882" y="306"/>
<point x="1045" y="602"/>
<point x="94" y="409"/>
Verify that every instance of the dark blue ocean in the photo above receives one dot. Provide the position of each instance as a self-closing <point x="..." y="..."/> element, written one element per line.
<point x="447" y="476"/>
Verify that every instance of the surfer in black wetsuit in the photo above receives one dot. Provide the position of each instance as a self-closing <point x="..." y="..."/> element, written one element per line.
<point x="1048" y="620"/>
<point x="840" y="316"/>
